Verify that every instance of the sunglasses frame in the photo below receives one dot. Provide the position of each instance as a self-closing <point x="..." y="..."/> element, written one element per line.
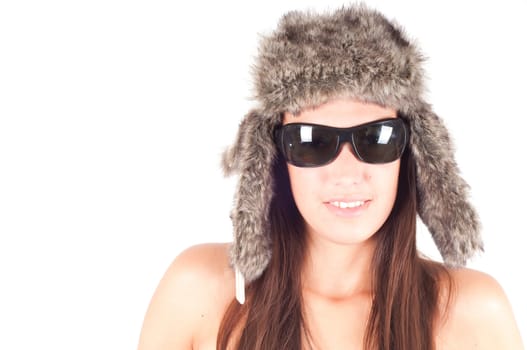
<point x="343" y="135"/>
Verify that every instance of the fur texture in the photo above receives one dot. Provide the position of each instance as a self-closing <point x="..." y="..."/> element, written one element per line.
<point x="353" y="52"/>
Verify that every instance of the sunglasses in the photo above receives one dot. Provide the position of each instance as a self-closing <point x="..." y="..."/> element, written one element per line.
<point x="313" y="145"/>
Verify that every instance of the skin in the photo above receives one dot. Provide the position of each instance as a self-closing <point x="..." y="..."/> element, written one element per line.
<point x="189" y="303"/>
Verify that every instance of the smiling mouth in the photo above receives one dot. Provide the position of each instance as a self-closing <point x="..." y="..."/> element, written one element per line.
<point x="345" y="205"/>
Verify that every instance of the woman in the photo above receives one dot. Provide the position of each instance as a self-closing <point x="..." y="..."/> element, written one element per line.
<point x="335" y="162"/>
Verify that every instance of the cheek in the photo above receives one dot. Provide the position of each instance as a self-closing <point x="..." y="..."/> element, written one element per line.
<point x="297" y="180"/>
<point x="387" y="180"/>
<point x="303" y="181"/>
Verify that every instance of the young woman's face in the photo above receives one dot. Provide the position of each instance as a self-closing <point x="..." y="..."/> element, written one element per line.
<point x="347" y="200"/>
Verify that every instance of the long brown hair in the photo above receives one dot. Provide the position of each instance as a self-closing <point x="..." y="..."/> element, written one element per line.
<point x="406" y="287"/>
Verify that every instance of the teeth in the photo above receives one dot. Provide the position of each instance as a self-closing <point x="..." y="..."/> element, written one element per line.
<point x="344" y="205"/>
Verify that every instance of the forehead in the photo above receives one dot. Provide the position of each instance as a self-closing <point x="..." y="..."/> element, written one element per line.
<point x="341" y="113"/>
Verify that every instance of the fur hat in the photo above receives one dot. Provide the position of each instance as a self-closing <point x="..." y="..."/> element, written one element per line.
<point x="353" y="52"/>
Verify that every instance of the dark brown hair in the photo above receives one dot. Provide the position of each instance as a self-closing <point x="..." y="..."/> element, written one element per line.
<point x="406" y="287"/>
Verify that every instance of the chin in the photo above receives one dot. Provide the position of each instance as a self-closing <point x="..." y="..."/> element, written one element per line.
<point x="348" y="237"/>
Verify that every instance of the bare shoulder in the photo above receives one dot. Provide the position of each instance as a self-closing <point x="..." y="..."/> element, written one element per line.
<point x="479" y="315"/>
<point x="190" y="299"/>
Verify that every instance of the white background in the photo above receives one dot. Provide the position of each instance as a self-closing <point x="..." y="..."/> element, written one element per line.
<point x="113" y="116"/>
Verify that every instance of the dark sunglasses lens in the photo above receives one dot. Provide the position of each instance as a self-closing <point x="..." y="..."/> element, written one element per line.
<point x="308" y="145"/>
<point x="381" y="142"/>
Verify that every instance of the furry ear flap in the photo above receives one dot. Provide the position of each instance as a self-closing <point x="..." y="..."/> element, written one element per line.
<point x="252" y="156"/>
<point x="442" y="194"/>
<point x="230" y="157"/>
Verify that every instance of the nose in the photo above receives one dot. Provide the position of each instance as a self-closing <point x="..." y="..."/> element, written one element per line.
<point x="347" y="169"/>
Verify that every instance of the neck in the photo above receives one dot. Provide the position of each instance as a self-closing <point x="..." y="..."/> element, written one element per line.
<point x="338" y="271"/>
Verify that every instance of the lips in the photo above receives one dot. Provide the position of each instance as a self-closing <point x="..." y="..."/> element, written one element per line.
<point x="348" y="208"/>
